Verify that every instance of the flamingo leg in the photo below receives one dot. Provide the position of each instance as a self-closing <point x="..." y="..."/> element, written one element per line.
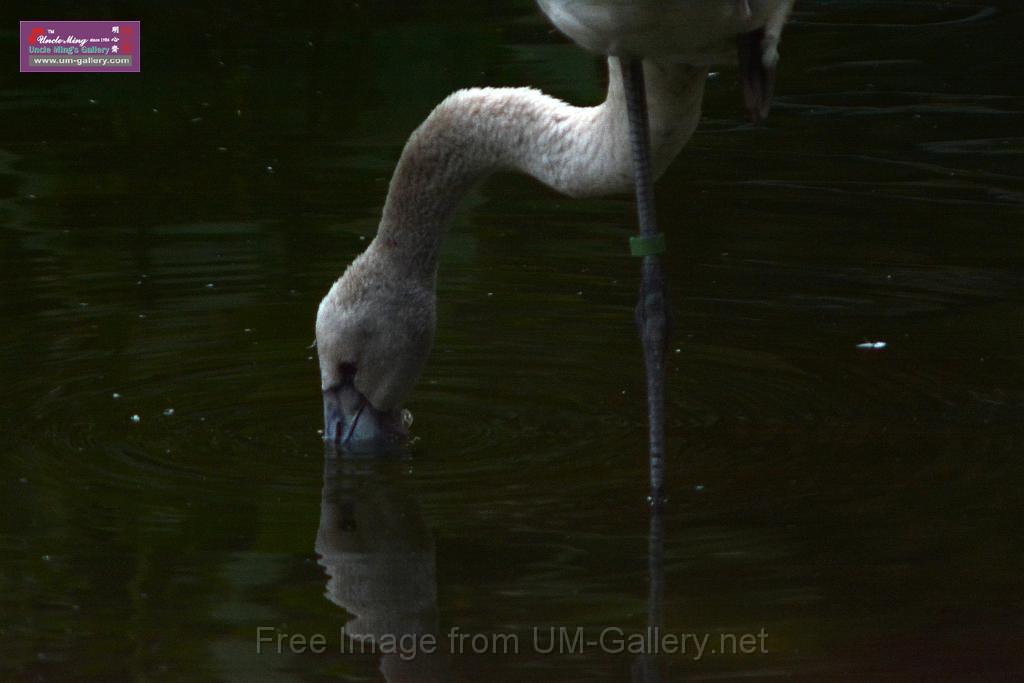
<point x="652" y="311"/>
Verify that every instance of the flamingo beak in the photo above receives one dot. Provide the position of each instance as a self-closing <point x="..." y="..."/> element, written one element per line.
<point x="353" y="424"/>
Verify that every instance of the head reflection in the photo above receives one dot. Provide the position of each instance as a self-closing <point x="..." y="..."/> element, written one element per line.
<point x="379" y="557"/>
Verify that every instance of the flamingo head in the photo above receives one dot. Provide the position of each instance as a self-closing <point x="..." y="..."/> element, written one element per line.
<point x="374" y="330"/>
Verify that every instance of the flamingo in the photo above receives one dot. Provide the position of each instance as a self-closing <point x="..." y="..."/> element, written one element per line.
<point x="375" y="326"/>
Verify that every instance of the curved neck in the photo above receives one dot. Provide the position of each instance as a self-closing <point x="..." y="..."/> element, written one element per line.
<point x="580" y="151"/>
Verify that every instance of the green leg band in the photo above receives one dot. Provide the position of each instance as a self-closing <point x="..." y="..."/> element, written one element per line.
<point x="647" y="246"/>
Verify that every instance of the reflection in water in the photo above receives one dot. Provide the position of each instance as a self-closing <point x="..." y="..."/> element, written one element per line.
<point x="380" y="560"/>
<point x="648" y="668"/>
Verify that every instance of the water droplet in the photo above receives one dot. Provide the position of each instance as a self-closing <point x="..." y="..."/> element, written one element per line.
<point x="136" y="419"/>
<point x="168" y="412"/>
<point x="115" y="396"/>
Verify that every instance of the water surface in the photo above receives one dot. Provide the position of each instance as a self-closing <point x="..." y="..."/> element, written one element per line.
<point x="164" y="243"/>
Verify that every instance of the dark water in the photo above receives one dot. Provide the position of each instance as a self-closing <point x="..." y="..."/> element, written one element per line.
<point x="164" y="242"/>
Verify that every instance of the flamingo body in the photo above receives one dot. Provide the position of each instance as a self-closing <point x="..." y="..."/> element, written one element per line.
<point x="692" y="31"/>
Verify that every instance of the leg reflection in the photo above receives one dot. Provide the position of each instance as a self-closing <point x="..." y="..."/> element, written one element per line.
<point x="650" y="668"/>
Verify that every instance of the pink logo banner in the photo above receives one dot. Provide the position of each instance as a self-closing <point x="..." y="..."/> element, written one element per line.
<point x="81" y="46"/>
